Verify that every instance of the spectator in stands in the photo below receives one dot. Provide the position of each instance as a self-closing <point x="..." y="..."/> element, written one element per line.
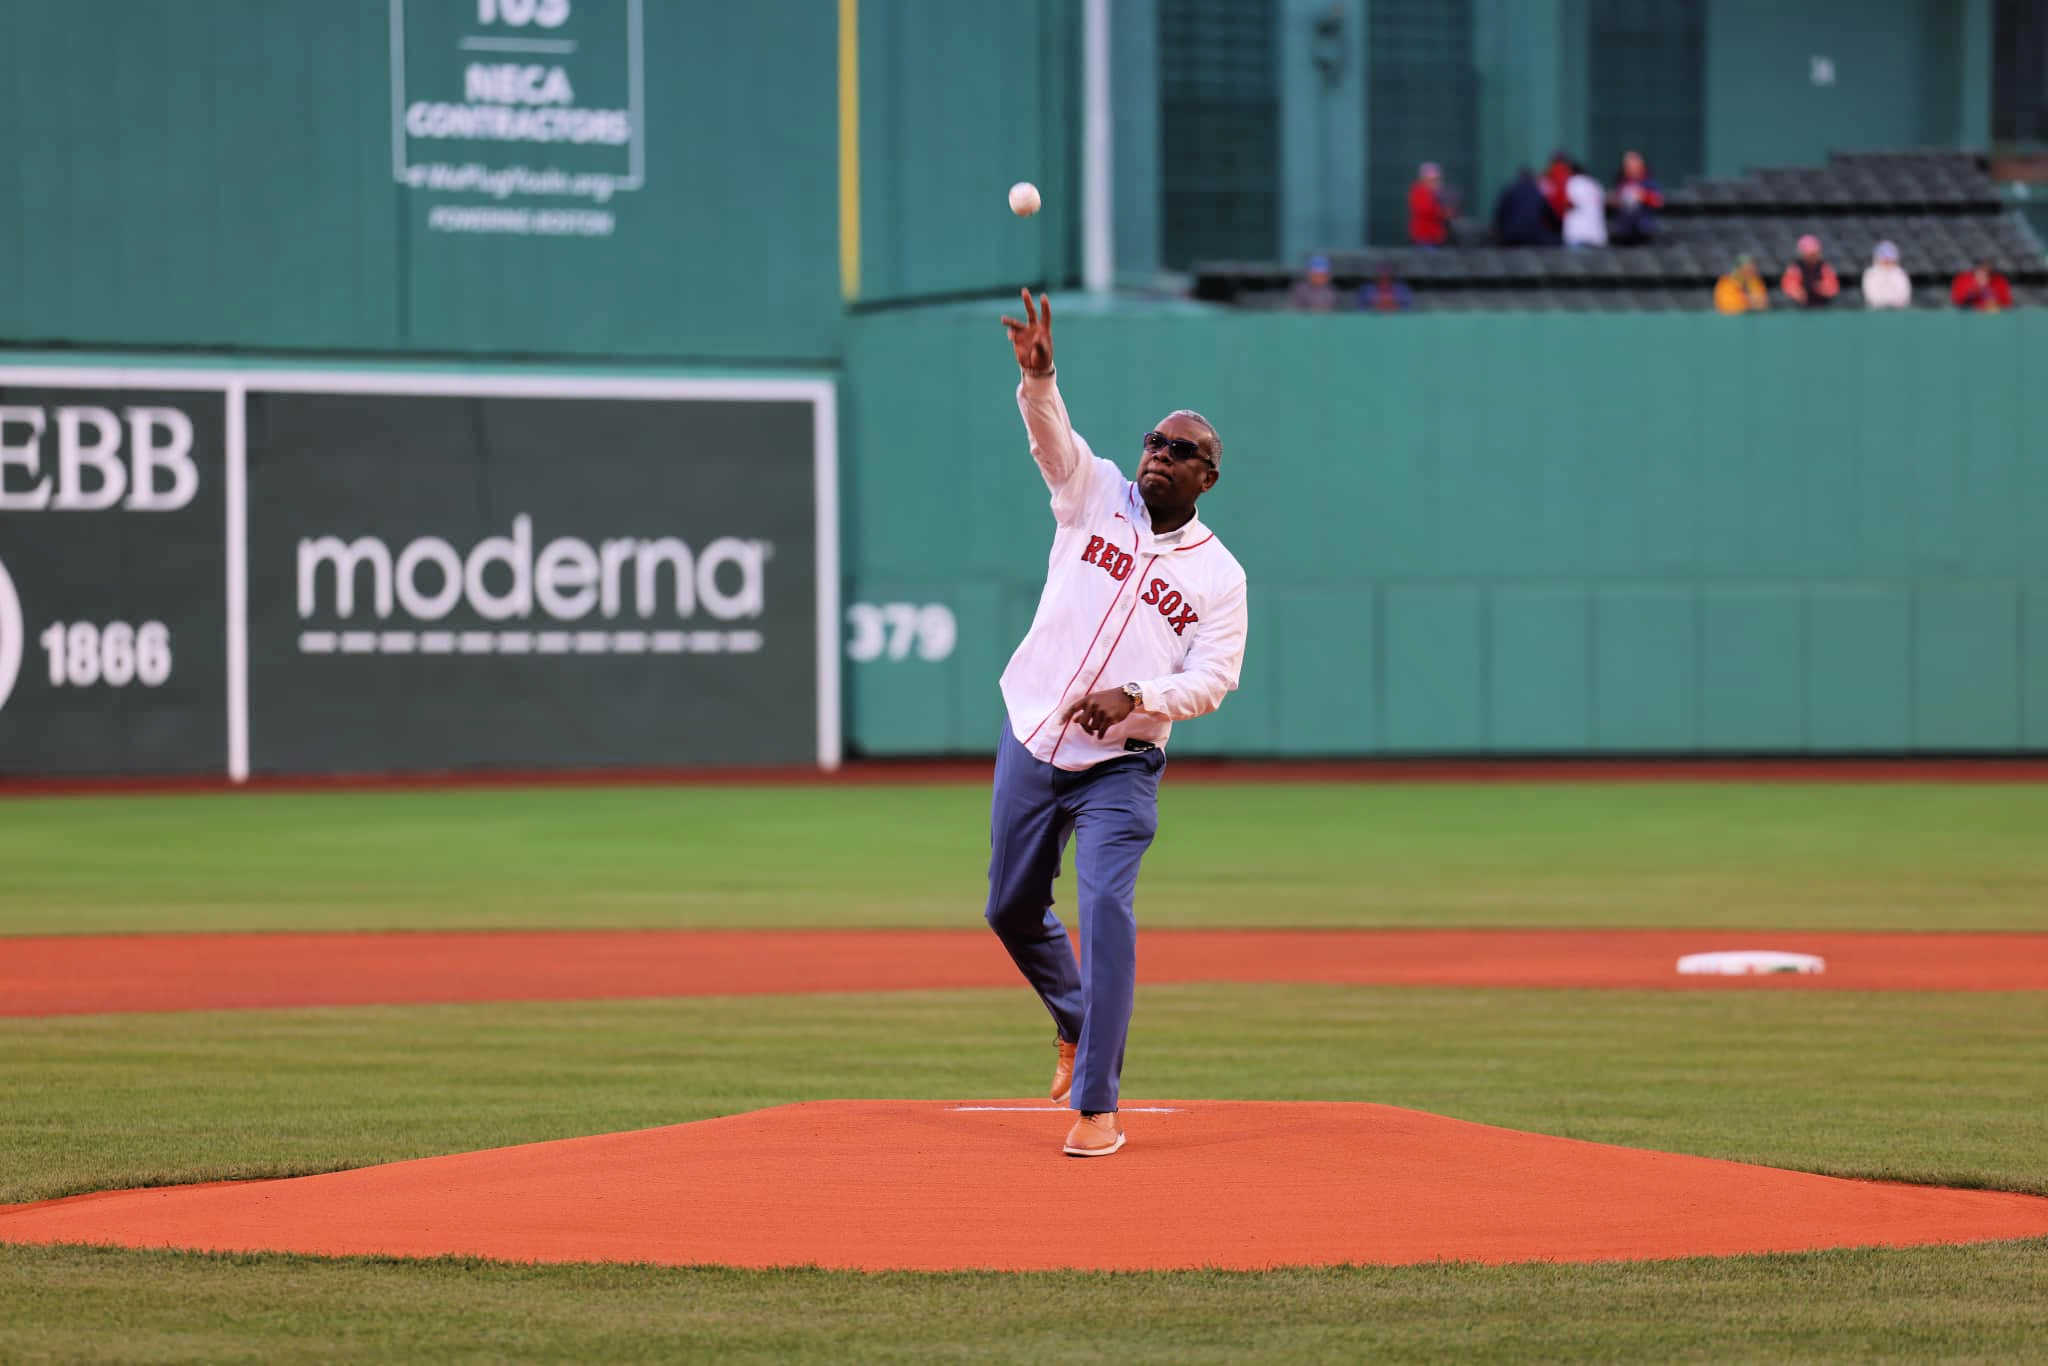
<point x="1314" y="293"/>
<point x="1982" y="290"/>
<point x="1429" y="213"/>
<point x="1742" y="289"/>
<point x="1521" y="216"/>
<point x="1385" y="294"/>
<point x="1555" y="177"/>
<point x="1885" y="283"/>
<point x="1585" y="223"/>
<point x="1810" y="281"/>
<point x="1635" y="200"/>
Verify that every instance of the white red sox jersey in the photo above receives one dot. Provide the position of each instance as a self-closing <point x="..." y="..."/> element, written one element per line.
<point x="1120" y="605"/>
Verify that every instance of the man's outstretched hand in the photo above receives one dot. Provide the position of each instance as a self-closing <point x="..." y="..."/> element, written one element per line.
<point x="1098" y="711"/>
<point x="1032" y="339"/>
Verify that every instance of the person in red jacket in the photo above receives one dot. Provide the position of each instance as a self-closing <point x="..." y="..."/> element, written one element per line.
<point x="1982" y="289"/>
<point x="1429" y="217"/>
<point x="1556" y="176"/>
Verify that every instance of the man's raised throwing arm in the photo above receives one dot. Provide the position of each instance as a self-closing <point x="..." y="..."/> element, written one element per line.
<point x="1063" y="458"/>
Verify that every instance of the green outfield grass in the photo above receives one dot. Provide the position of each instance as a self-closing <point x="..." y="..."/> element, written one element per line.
<point x="1924" y="1086"/>
<point x="1966" y="1304"/>
<point x="1904" y="1085"/>
<point x="1810" y="857"/>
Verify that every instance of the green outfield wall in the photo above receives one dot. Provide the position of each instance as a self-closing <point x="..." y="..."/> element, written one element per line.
<point x="251" y="173"/>
<point x="958" y="102"/>
<point x="667" y="180"/>
<point x="1501" y="534"/>
<point x="615" y="179"/>
<point x="1544" y="533"/>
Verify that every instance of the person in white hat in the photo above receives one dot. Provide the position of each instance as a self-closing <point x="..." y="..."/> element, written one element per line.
<point x="1885" y="282"/>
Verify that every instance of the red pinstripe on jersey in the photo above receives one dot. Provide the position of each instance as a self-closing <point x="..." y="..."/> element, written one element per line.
<point x="1103" y="668"/>
<point x="1083" y="662"/>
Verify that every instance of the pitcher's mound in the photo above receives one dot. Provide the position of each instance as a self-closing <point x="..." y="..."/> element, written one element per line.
<point x="929" y="1185"/>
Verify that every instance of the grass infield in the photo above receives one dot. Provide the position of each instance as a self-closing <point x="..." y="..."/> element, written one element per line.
<point x="1914" y="1085"/>
<point x="1902" y="1085"/>
<point x="1979" y="1303"/>
<point x="1709" y="855"/>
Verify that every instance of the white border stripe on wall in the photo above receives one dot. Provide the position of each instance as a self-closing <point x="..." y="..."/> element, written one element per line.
<point x="825" y="442"/>
<point x="235" y="383"/>
<point x="237" y="481"/>
<point x="397" y="16"/>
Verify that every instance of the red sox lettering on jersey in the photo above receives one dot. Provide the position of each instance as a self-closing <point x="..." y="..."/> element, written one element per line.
<point x="1121" y="604"/>
<point x="1158" y="593"/>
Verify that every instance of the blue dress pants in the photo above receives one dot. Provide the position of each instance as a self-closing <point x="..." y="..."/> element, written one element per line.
<point x="1112" y="812"/>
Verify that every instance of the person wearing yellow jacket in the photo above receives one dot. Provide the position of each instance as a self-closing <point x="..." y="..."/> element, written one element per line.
<point x="1742" y="290"/>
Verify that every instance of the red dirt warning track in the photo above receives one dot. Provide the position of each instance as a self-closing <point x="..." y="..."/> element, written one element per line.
<point x="64" y="974"/>
<point x="923" y="1185"/>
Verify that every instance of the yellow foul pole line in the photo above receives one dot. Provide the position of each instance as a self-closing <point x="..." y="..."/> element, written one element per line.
<point x="849" y="148"/>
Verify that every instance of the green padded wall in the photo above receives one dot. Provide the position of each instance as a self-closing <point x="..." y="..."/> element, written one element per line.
<point x="1900" y="78"/>
<point x="217" y="173"/>
<point x="225" y="173"/>
<point x="957" y="103"/>
<point x="1652" y="533"/>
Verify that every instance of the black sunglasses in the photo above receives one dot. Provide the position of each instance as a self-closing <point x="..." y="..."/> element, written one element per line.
<point x="1177" y="448"/>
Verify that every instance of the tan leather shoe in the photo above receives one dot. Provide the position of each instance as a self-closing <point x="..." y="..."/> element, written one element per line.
<point x="1095" y="1136"/>
<point x="1063" y="1071"/>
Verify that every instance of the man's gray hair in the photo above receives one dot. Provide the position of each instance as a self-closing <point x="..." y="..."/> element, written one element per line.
<point x="1215" y="451"/>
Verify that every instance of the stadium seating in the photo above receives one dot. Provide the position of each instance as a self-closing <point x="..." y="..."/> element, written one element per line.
<point x="1940" y="207"/>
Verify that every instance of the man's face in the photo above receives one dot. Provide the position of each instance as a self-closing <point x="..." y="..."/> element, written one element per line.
<point x="1809" y="253"/>
<point x="1173" y="480"/>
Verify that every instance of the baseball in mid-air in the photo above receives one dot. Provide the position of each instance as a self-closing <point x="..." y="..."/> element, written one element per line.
<point x="1023" y="199"/>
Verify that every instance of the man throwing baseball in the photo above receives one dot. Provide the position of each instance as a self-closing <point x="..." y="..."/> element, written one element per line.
<point x="1141" y="624"/>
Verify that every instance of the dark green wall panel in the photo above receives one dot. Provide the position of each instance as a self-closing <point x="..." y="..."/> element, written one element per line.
<point x="1859" y="676"/>
<point x="1326" y="698"/>
<point x="1966" y="683"/>
<point x="1539" y="675"/>
<point x="2034" y="668"/>
<point x="1752" y="687"/>
<point x="1645" y="647"/>
<point x="1434" y="669"/>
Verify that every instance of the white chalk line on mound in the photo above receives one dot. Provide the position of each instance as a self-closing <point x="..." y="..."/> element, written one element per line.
<point x="1059" y="1109"/>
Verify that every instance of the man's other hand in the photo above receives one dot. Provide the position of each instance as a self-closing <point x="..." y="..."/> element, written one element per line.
<point x="1098" y="711"/>
<point x="1032" y="339"/>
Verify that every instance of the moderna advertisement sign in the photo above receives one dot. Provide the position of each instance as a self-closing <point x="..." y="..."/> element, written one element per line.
<point x="420" y="573"/>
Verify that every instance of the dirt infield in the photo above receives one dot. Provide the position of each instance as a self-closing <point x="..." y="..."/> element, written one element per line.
<point x="887" y="1185"/>
<point x="70" y="975"/>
